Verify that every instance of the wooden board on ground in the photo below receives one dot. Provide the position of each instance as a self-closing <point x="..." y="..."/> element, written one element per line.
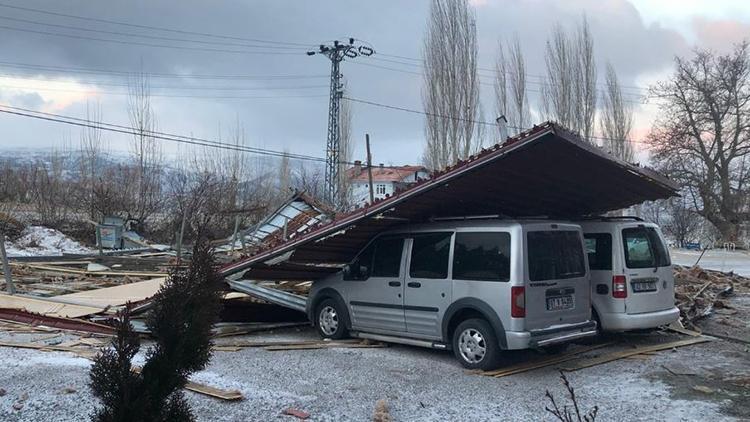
<point x="117" y="295"/>
<point x="586" y="363"/>
<point x="214" y="392"/>
<point x="243" y="344"/>
<point x="206" y="389"/>
<point x="552" y="360"/>
<point x="61" y="269"/>
<point x="325" y="345"/>
<point x="45" y="307"/>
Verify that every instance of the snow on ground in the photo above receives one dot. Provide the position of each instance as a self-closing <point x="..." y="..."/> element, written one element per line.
<point x="43" y="241"/>
<point x="714" y="259"/>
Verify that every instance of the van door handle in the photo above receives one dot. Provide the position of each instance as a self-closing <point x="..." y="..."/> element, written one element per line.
<point x="414" y="284"/>
<point x="394" y="283"/>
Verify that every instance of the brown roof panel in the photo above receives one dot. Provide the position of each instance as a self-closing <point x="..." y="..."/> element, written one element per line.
<point x="545" y="171"/>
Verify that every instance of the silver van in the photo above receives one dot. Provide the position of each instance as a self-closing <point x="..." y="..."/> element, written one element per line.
<point x="632" y="284"/>
<point x="476" y="286"/>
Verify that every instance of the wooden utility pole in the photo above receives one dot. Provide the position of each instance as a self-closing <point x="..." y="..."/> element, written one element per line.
<point x="6" y="267"/>
<point x="369" y="169"/>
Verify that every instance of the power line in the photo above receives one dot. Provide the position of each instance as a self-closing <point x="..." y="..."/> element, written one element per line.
<point x="156" y="75"/>
<point x="81" y="91"/>
<point x="58" y="118"/>
<point x="542" y="77"/>
<point x="156" y="28"/>
<point x="480" y="81"/>
<point x="441" y="116"/>
<point x="541" y="82"/>
<point x="203" y="88"/>
<point x="143" y="44"/>
<point x="152" y="37"/>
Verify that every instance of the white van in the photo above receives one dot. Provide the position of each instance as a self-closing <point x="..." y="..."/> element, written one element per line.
<point x="632" y="284"/>
<point x="475" y="286"/>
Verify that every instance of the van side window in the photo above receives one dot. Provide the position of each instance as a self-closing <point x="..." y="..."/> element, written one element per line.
<point x="644" y="248"/>
<point x="359" y="269"/>
<point x="482" y="256"/>
<point x="599" y="250"/>
<point x="555" y="255"/>
<point x="429" y="255"/>
<point x="387" y="261"/>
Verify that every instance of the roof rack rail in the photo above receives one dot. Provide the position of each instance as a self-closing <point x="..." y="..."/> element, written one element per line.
<point x="468" y="217"/>
<point x="613" y="218"/>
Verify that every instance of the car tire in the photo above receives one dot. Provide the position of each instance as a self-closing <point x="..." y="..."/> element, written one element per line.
<point x="475" y="345"/>
<point x="329" y="320"/>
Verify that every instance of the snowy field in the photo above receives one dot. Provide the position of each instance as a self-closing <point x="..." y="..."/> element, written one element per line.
<point x="43" y="241"/>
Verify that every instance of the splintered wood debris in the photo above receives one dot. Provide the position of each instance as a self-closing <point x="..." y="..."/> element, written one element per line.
<point x="700" y="292"/>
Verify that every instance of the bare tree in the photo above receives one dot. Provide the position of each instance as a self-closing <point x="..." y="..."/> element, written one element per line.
<point x="91" y="143"/>
<point x="345" y="156"/>
<point x="701" y="138"/>
<point x="147" y="151"/>
<point x="616" y="118"/>
<point x="682" y="223"/>
<point x="585" y="81"/>
<point x="451" y="87"/>
<point x="569" y="95"/>
<point x="510" y="86"/>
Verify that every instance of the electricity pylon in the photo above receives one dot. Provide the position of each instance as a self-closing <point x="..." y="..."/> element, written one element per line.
<point x="336" y="52"/>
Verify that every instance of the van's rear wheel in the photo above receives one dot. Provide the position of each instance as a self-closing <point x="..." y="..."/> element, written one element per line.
<point x="329" y="320"/>
<point x="475" y="344"/>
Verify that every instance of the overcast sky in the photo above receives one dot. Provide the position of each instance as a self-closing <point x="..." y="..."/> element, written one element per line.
<point x="639" y="37"/>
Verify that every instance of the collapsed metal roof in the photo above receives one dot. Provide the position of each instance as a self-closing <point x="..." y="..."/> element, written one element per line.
<point x="546" y="171"/>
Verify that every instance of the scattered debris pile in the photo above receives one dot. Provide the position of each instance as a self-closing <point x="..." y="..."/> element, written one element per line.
<point x="700" y="292"/>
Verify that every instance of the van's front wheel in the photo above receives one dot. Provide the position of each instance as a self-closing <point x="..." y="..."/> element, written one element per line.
<point x="475" y="344"/>
<point x="329" y="320"/>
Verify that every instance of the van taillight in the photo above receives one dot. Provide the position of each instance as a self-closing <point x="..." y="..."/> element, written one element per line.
<point x="517" y="302"/>
<point x="619" y="288"/>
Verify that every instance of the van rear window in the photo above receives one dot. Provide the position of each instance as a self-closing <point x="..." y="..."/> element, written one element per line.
<point x="599" y="250"/>
<point x="482" y="256"/>
<point x="644" y="248"/>
<point x="555" y="255"/>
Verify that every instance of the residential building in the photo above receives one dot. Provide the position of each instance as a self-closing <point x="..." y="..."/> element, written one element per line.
<point x="385" y="180"/>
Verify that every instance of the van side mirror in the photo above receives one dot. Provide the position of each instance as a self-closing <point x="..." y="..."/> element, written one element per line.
<point x="347" y="270"/>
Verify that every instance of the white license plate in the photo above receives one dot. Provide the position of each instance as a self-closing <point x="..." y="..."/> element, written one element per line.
<point x="560" y="303"/>
<point x="644" y="286"/>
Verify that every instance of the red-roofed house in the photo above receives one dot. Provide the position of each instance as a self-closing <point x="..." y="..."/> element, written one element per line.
<point x="385" y="180"/>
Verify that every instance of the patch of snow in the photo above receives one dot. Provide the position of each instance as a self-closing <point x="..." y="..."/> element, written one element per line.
<point x="43" y="241"/>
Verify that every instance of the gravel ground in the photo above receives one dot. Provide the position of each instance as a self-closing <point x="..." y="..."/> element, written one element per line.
<point x="418" y="384"/>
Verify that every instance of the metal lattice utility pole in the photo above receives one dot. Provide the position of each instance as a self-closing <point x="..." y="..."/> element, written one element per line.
<point x="336" y="52"/>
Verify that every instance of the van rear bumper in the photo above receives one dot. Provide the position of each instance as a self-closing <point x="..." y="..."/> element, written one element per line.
<point x="623" y="322"/>
<point x="548" y="336"/>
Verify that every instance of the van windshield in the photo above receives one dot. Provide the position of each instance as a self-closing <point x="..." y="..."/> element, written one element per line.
<point x="555" y="255"/>
<point x="644" y="248"/>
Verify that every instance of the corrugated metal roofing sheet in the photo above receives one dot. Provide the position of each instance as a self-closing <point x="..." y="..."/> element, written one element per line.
<point x="544" y="171"/>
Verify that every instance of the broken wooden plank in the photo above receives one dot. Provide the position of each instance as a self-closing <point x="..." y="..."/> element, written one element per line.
<point x="117" y="295"/>
<point x="61" y="269"/>
<point x="326" y="345"/>
<point x="240" y="343"/>
<point x="205" y="389"/>
<point x="552" y="360"/>
<point x="586" y="363"/>
<point x="47" y="307"/>
<point x="22" y="316"/>
<point x="229" y="395"/>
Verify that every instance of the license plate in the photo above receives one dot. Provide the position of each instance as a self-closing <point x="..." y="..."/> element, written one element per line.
<point x="644" y="286"/>
<point x="559" y="303"/>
